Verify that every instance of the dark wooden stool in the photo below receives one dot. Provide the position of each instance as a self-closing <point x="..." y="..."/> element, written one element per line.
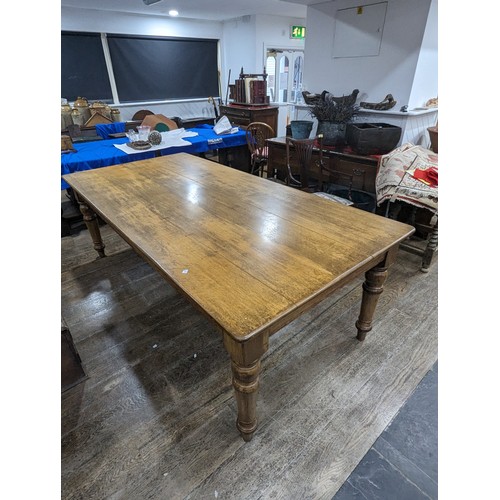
<point x="72" y="371"/>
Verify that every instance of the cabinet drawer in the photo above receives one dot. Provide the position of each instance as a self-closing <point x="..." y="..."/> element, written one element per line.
<point x="244" y="116"/>
<point x="235" y="112"/>
<point x="362" y="169"/>
<point x="239" y="120"/>
<point x="277" y="161"/>
<point x="363" y="174"/>
<point x="243" y="113"/>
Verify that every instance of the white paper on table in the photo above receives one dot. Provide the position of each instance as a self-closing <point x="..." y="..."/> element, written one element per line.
<point x="170" y="139"/>
<point x="223" y="126"/>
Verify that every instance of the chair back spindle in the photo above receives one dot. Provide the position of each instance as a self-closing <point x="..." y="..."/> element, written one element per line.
<point x="257" y="134"/>
<point x="301" y="150"/>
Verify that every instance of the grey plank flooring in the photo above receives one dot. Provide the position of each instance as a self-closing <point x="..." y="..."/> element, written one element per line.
<point x="156" y="416"/>
<point x="403" y="461"/>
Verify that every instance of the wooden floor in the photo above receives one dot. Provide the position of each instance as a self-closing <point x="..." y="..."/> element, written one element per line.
<point x="156" y="417"/>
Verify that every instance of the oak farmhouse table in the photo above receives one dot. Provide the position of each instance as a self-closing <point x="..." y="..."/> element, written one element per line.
<point x="251" y="254"/>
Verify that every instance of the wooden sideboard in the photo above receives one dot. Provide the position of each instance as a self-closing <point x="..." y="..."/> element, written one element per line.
<point x="362" y="168"/>
<point x="244" y="115"/>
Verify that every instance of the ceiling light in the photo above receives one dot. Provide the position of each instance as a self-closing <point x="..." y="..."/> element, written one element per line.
<point x="173" y="13"/>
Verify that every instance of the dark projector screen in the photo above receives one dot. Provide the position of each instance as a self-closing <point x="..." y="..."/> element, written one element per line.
<point x="152" y="68"/>
<point x="83" y="67"/>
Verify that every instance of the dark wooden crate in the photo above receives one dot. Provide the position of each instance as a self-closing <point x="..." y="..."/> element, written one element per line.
<point x="372" y="138"/>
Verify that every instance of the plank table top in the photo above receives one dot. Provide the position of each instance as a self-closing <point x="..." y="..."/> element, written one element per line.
<point x="250" y="253"/>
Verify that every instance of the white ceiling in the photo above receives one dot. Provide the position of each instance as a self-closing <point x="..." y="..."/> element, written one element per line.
<point x="212" y="10"/>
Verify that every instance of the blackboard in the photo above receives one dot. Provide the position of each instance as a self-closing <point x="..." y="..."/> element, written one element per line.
<point x="155" y="68"/>
<point x="83" y="67"/>
<point x="144" y="68"/>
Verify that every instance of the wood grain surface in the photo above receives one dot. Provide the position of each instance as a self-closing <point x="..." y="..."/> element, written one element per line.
<point x="250" y="253"/>
<point x="252" y="266"/>
<point x="155" y="418"/>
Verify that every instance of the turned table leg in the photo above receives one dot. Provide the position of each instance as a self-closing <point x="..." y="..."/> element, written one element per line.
<point x="90" y="219"/>
<point x="372" y="288"/>
<point x="245" y="366"/>
<point x="246" y="384"/>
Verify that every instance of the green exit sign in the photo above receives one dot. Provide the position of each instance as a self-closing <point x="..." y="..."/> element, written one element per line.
<point x="297" y="31"/>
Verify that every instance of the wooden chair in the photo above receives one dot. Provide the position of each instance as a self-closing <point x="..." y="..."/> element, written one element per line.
<point x="304" y="178"/>
<point x="256" y="134"/>
<point x="299" y="159"/>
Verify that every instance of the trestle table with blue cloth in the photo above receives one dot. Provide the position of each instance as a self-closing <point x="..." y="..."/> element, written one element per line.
<point x="97" y="154"/>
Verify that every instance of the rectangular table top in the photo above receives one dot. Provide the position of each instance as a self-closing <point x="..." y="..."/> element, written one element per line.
<point x="251" y="253"/>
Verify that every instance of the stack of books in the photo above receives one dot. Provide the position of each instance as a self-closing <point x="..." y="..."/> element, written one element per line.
<point x="251" y="91"/>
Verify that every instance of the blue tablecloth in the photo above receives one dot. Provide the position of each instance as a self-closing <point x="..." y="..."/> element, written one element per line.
<point x="215" y="141"/>
<point x="104" y="129"/>
<point x="97" y="154"/>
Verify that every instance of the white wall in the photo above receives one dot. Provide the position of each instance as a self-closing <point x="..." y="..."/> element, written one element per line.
<point x="392" y="71"/>
<point x="238" y="48"/>
<point x="425" y="83"/>
<point x="245" y="42"/>
<point x="73" y="19"/>
<point x="246" y="39"/>
<point x="274" y="32"/>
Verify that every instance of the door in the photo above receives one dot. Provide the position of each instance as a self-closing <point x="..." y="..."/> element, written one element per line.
<point x="285" y="68"/>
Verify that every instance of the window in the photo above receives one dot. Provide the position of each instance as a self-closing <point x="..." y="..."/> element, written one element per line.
<point x="144" y="68"/>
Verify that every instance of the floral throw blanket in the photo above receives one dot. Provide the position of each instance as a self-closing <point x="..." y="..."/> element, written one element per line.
<point x="397" y="177"/>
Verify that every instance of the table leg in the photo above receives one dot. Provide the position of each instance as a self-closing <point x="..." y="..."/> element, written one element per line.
<point x="246" y="384"/>
<point x="90" y="219"/>
<point x="372" y="288"/>
<point x="245" y="365"/>
<point x="429" y="250"/>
